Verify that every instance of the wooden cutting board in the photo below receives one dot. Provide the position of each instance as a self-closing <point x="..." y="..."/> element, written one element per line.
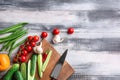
<point x="66" y="71"/>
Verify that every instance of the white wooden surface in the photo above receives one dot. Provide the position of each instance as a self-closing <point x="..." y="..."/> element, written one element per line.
<point x="94" y="48"/>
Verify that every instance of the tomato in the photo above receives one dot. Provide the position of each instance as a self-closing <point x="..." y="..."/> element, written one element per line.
<point x="21" y="47"/>
<point x="32" y="44"/>
<point x="35" y="38"/>
<point x="19" y="53"/>
<point x="24" y="52"/>
<point x="30" y="38"/>
<point x="28" y="48"/>
<point x="15" y="59"/>
<point x="44" y="34"/>
<point x="27" y="43"/>
<point x="70" y="30"/>
<point x="22" y="58"/>
<point x="44" y="56"/>
<point x="56" y="31"/>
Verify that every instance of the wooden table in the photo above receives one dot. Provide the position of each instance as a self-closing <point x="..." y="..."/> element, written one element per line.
<point x="94" y="48"/>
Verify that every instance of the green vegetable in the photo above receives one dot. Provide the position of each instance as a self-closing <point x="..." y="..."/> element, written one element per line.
<point x="14" y="36"/>
<point x="23" y="70"/>
<point x="31" y="68"/>
<point x="18" y="76"/>
<point x="35" y="78"/>
<point x="15" y="46"/>
<point x="40" y="65"/>
<point x="33" y="62"/>
<point x="9" y="42"/>
<point x="4" y="46"/>
<point x="46" y="61"/>
<point x="12" y="28"/>
<point x="11" y="71"/>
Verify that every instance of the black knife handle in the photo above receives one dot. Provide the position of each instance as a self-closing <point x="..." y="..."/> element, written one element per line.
<point x="53" y="79"/>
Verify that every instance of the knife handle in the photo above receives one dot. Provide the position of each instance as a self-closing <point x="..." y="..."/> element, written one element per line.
<point x="53" y="79"/>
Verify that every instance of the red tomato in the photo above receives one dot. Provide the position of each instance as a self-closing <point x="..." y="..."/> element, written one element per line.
<point x="32" y="44"/>
<point x="30" y="38"/>
<point x="15" y="59"/>
<point x="44" y="34"/>
<point x="29" y="48"/>
<point x="19" y="53"/>
<point x="21" y="47"/>
<point x="27" y="43"/>
<point x="44" y="56"/>
<point x="56" y="31"/>
<point x="24" y="52"/>
<point x="70" y="30"/>
<point x="22" y="58"/>
<point x="35" y="38"/>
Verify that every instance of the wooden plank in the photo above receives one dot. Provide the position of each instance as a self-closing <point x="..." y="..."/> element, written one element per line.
<point x="60" y="4"/>
<point x="86" y="19"/>
<point x="97" y="31"/>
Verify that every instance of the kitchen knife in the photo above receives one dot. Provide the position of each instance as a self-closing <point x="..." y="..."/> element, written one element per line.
<point x="56" y="71"/>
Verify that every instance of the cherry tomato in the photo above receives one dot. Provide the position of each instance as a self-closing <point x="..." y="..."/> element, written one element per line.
<point x="44" y="34"/>
<point x="24" y="52"/>
<point x="70" y="30"/>
<point x="21" y="47"/>
<point x="22" y="58"/>
<point x="27" y="43"/>
<point x="19" y="53"/>
<point x="15" y="59"/>
<point x="30" y="38"/>
<point x="56" y="31"/>
<point x="28" y="48"/>
<point x="32" y="44"/>
<point x="35" y="38"/>
<point x="44" y="56"/>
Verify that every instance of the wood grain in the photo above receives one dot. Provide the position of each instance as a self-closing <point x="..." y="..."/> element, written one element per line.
<point x="60" y="4"/>
<point x="94" y="47"/>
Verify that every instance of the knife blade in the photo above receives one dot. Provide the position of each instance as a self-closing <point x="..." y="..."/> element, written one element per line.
<point x="56" y="71"/>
